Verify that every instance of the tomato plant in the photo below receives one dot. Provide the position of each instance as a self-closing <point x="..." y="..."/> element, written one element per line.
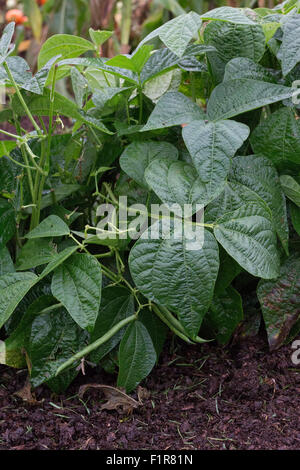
<point x="203" y="113"/>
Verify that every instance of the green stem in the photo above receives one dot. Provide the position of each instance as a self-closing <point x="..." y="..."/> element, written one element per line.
<point x="141" y="106"/>
<point x="24" y="155"/>
<point x="91" y="347"/>
<point x="9" y="134"/>
<point x="26" y="109"/>
<point x="126" y="23"/>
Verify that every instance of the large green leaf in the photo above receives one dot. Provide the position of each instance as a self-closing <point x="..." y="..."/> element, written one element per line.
<point x="138" y="155"/>
<point x="248" y="235"/>
<point x="177" y="33"/>
<point x="117" y="303"/>
<point x="225" y="313"/>
<point x="58" y="259"/>
<point x="258" y="174"/>
<point x="7" y="222"/>
<point x="168" y="272"/>
<point x="278" y="137"/>
<point x="137" y="356"/>
<point x="230" y="14"/>
<point x="291" y="188"/>
<point x="173" y="109"/>
<point x="280" y="301"/>
<point x="238" y="96"/>
<point x="235" y="40"/>
<point x="289" y="53"/>
<point x="66" y="45"/>
<point x="77" y="285"/>
<point x="54" y="338"/>
<point x="13" y="287"/>
<point x="211" y="146"/>
<point x="34" y="253"/>
<point x="52" y="226"/>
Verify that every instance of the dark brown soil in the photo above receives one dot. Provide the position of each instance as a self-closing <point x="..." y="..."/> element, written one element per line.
<point x="201" y="398"/>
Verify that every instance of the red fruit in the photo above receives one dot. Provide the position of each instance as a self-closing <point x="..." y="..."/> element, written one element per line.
<point x="16" y="16"/>
<point x="41" y="2"/>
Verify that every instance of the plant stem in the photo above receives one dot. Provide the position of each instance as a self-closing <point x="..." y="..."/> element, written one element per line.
<point x="91" y="347"/>
<point x="22" y="101"/>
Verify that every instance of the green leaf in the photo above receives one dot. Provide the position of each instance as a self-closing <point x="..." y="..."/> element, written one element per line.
<point x="258" y="174"/>
<point x="6" y="264"/>
<point x="247" y="234"/>
<point x="278" y="137"/>
<point x="57" y="260"/>
<point x="289" y="52"/>
<point x="17" y="342"/>
<point x="5" y="40"/>
<point x="77" y="285"/>
<point x="291" y="188"/>
<point x="177" y="33"/>
<point x="233" y="15"/>
<point x="235" y="97"/>
<point x="59" y="193"/>
<point x="13" y="287"/>
<point x="138" y="155"/>
<point x="99" y="37"/>
<point x="135" y="62"/>
<point x="229" y="270"/>
<point x="169" y="272"/>
<point x="280" y="302"/>
<point x="66" y="45"/>
<point x="156" y="329"/>
<point x="241" y="67"/>
<point x="235" y="40"/>
<point x="52" y="226"/>
<point x="117" y="303"/>
<point x="173" y="109"/>
<point x="6" y="146"/>
<point x="7" y="222"/>
<point x="178" y="183"/>
<point x="225" y="313"/>
<point x="79" y="85"/>
<point x="34" y="253"/>
<point x="295" y="216"/>
<point x="137" y="356"/>
<point x="211" y="146"/>
<point x="55" y="337"/>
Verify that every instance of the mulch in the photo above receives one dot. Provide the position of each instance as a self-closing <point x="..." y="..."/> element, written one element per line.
<point x="203" y="397"/>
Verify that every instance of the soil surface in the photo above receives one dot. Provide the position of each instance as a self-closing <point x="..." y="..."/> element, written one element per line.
<point x="203" y="397"/>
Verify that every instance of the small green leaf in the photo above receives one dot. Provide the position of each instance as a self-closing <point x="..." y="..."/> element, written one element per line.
<point x="34" y="253"/>
<point x="173" y="109"/>
<point x="137" y="356"/>
<point x="291" y="188"/>
<point x="138" y="155"/>
<point x="13" y="287"/>
<point x="99" y="37"/>
<point x="6" y="264"/>
<point x="280" y="301"/>
<point x="6" y="38"/>
<point x="6" y="146"/>
<point x="77" y="285"/>
<point x="156" y="329"/>
<point x="66" y="45"/>
<point x="52" y="226"/>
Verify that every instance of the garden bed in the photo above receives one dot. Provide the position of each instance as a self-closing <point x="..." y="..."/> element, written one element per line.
<point x="201" y="398"/>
